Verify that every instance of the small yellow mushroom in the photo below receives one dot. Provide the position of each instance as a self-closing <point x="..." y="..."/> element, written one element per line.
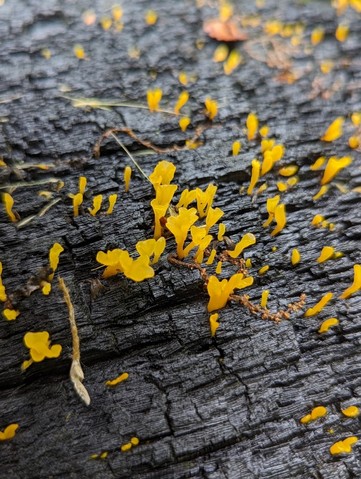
<point x="97" y="204"/>
<point x="356" y="285"/>
<point x="77" y="201"/>
<point x="321" y="192"/>
<point x="334" y="131"/>
<point x="112" y="200"/>
<point x="252" y="126"/>
<point x="236" y="147"/>
<point x="356" y="118"/>
<point x="2" y="287"/>
<point x="264" y="298"/>
<point x="214" y="323"/>
<point x="117" y="380"/>
<point x="184" y="122"/>
<point x="117" y="12"/>
<point x="319" y="306"/>
<point x="211" y="108"/>
<point x="127" y="176"/>
<point x="280" y="219"/>
<point x="221" y="231"/>
<point x="219" y="291"/>
<point x="316" y="413"/>
<point x="317" y="35"/>
<point x="327" y="324"/>
<point x="221" y="53"/>
<point x="162" y="174"/>
<point x="9" y="203"/>
<point x="151" y="17"/>
<point x="343" y="447"/>
<point x="334" y="165"/>
<point x="247" y="240"/>
<point x="153" y="99"/>
<point x="134" y="441"/>
<point x="182" y="100"/>
<point x="327" y="253"/>
<point x="82" y="184"/>
<point x="256" y="168"/>
<point x="183" y="78"/>
<point x="264" y="131"/>
<point x="295" y="257"/>
<point x="126" y="447"/>
<point x="219" y="267"/>
<point x="79" y="51"/>
<point x="351" y="411"/>
<point x="45" y="288"/>
<point x="9" y="432"/>
<point x="232" y="62"/>
<point x="263" y="270"/>
<point x="288" y="170"/>
<point x="10" y="314"/>
<point x="211" y="257"/>
<point x="54" y="254"/>
<point x="341" y="33"/>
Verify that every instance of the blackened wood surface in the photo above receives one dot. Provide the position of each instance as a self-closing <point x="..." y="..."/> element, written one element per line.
<point x="202" y="408"/>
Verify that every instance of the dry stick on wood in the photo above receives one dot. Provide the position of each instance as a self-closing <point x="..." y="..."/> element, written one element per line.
<point x="76" y="372"/>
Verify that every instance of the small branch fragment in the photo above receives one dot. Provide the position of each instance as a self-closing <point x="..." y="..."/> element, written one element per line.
<point x="76" y="372"/>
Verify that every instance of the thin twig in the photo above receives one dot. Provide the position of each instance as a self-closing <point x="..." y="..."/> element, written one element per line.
<point x="76" y="372"/>
<point x="130" y="156"/>
<point x="26" y="184"/>
<point x="44" y="209"/>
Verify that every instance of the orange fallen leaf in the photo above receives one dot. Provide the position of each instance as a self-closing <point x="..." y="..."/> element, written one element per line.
<point x="223" y="31"/>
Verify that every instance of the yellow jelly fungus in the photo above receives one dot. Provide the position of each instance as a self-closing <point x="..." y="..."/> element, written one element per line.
<point x="264" y="131"/>
<point x="341" y="33"/>
<point x="356" y="119"/>
<point x="104" y="455"/>
<point x="264" y="269"/>
<point x="82" y="184"/>
<point x="232" y="62"/>
<point x="126" y="447"/>
<point x="46" y="53"/>
<point x="183" y="78"/>
<point x="267" y="144"/>
<point x="252" y="126"/>
<point x="46" y="288"/>
<point x="219" y="291"/>
<point x="117" y="12"/>
<point x="134" y="441"/>
<point x="153" y="99"/>
<point x="9" y="203"/>
<point x="151" y="248"/>
<point x="280" y="219"/>
<point x="182" y="100"/>
<point x="316" y="413"/>
<point x="319" y="306"/>
<point x="317" y="220"/>
<point x="317" y="35"/>
<point x="256" y="168"/>
<point x="327" y="253"/>
<point x="77" y="201"/>
<point x="163" y="173"/>
<point x="271" y="205"/>
<point x="236" y="147"/>
<point x="127" y="176"/>
<point x="39" y="345"/>
<point x="221" y="53"/>
<point x="288" y="170"/>
<point x="10" y="314"/>
<point x="354" y="142"/>
<point x="273" y="27"/>
<point x="160" y="208"/>
<point x="356" y="285"/>
<point x="318" y="164"/>
<point x="270" y="157"/>
<point x="281" y="186"/>
<point x="112" y="200"/>
<point x="184" y="122"/>
<point x="219" y="267"/>
<point x="351" y="411"/>
<point x="213" y="215"/>
<point x="205" y="199"/>
<point x="211" y="257"/>
<point x="179" y="226"/>
<point x="322" y="191"/>
<point x="117" y="380"/>
<point x="295" y="257"/>
<point x="119" y="261"/>
<point x="335" y="130"/>
<point x="186" y="198"/>
<point x="89" y="17"/>
<point x="211" y="108"/>
<point x="225" y="11"/>
<point x="2" y="287"/>
<point x="54" y="254"/>
<point x="343" y="447"/>
<point x="221" y="231"/>
<point x="151" y="17"/>
<point x="326" y="66"/>
<point x="79" y="52"/>
<point x="327" y="324"/>
<point x="334" y="165"/>
<point x="264" y="298"/>
<point x="9" y="432"/>
<point x="97" y="204"/>
<point x="248" y="263"/>
<point x="274" y="249"/>
<point x="213" y="323"/>
<point x="106" y="22"/>
<point x="247" y="240"/>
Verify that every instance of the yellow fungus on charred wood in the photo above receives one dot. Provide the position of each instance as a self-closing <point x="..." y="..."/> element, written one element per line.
<point x="219" y="267"/>
<point x="10" y="314"/>
<point x="236" y="147"/>
<point x="319" y="306"/>
<point x="153" y="99"/>
<point x="9" y="432"/>
<point x="127" y="176"/>
<point x="263" y="270"/>
<point x="97" y="204"/>
<point x="211" y="257"/>
<point x="2" y="287"/>
<point x="247" y="240"/>
<point x="316" y="413"/>
<point x="317" y="35"/>
<point x="356" y="285"/>
<point x="295" y="257"/>
<point x="232" y="62"/>
<point x="117" y="380"/>
<point x="280" y="219"/>
<point x="321" y="192"/>
<point x="327" y="253"/>
<point x="335" y="130"/>
<point x="211" y="108"/>
<point x="213" y="323"/>
<point x="151" y="17"/>
<point x="8" y="204"/>
<point x="327" y="324"/>
<point x="256" y="168"/>
<point x="351" y="411"/>
<point x="252" y="126"/>
<point x="184" y="122"/>
<point x="112" y="200"/>
<point x="334" y="165"/>
<point x="264" y="298"/>
<point x="54" y="254"/>
<point x="182" y="100"/>
<point x="342" y="32"/>
<point x="220" y="53"/>
<point x="77" y="201"/>
<point x="219" y="291"/>
<point x="343" y="447"/>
